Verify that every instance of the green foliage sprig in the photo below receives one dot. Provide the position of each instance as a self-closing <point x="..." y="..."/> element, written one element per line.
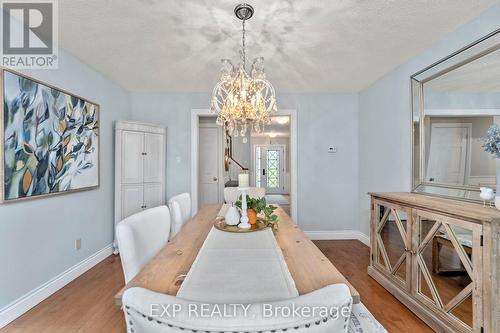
<point x="260" y="206"/>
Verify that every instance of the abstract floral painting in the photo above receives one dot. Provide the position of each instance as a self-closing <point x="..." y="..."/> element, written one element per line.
<point x="50" y="139"/>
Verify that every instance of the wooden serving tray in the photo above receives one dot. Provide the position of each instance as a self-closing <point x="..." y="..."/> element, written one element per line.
<point x="220" y="224"/>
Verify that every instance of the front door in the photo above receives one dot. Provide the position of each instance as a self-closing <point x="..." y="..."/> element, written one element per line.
<point x="270" y="168"/>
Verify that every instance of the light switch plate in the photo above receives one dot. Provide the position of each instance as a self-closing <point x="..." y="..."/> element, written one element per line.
<point x="78" y="244"/>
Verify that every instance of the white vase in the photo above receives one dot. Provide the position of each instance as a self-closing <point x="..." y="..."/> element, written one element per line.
<point x="232" y="216"/>
<point x="487" y="195"/>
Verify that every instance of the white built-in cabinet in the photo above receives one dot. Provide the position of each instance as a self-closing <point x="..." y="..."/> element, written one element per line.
<point x="140" y="155"/>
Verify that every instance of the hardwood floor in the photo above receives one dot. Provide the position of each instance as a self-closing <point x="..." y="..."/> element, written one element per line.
<point x="87" y="304"/>
<point x="84" y="305"/>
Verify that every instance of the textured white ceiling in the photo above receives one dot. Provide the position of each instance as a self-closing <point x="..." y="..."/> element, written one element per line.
<point x="309" y="46"/>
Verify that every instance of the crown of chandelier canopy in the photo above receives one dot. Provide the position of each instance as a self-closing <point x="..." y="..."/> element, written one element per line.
<point x="240" y="99"/>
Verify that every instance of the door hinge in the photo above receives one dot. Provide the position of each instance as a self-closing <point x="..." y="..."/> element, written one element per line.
<point x="482" y="329"/>
<point x="481" y="240"/>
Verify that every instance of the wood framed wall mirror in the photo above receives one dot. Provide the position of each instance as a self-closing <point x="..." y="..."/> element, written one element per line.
<point x="454" y="102"/>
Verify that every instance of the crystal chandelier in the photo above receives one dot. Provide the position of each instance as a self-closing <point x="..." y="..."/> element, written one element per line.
<point x="242" y="99"/>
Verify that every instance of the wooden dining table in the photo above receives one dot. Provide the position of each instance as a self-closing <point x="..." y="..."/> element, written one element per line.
<point x="309" y="267"/>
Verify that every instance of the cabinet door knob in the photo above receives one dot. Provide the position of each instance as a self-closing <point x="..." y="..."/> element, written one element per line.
<point x="215" y="179"/>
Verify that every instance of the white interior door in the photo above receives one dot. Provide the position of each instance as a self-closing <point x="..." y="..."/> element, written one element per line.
<point x="132" y="155"/>
<point x="210" y="164"/>
<point x="153" y="163"/>
<point x="132" y="199"/>
<point x="270" y="168"/>
<point x="448" y="153"/>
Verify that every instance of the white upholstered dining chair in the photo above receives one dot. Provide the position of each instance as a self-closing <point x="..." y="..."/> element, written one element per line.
<point x="180" y="208"/>
<point x="140" y="237"/>
<point x="231" y="194"/>
<point x="144" y="313"/>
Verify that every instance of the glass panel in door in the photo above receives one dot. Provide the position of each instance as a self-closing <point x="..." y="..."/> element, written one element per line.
<point x="273" y="170"/>
<point x="392" y="254"/>
<point x="445" y="266"/>
<point x="269" y="166"/>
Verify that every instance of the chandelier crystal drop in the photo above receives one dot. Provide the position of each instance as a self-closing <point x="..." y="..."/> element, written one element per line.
<point x="243" y="100"/>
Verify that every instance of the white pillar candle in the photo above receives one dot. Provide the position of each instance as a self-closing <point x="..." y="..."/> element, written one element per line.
<point x="243" y="180"/>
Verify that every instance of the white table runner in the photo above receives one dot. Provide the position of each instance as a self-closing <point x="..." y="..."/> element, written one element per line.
<point x="239" y="268"/>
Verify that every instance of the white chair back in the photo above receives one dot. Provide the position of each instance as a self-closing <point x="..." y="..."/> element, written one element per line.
<point x="140" y="237"/>
<point x="231" y="194"/>
<point x="330" y="310"/>
<point x="180" y="207"/>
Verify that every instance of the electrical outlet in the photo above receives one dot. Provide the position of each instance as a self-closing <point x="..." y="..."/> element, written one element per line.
<point x="78" y="244"/>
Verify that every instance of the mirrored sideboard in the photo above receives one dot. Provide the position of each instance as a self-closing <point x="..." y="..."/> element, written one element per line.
<point x="439" y="257"/>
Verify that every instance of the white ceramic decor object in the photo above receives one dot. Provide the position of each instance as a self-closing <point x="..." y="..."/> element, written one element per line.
<point x="486" y="194"/>
<point x="232" y="216"/>
<point x="244" y="218"/>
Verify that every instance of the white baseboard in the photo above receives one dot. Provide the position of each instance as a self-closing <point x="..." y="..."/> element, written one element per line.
<point x="16" y="308"/>
<point x="338" y="235"/>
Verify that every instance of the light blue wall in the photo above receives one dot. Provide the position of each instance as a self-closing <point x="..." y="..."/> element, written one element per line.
<point x="327" y="183"/>
<point x="327" y="188"/>
<point x="384" y="113"/>
<point x="37" y="237"/>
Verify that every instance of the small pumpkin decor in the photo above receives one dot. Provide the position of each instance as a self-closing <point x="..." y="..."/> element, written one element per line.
<point x="257" y="206"/>
<point x="252" y="217"/>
